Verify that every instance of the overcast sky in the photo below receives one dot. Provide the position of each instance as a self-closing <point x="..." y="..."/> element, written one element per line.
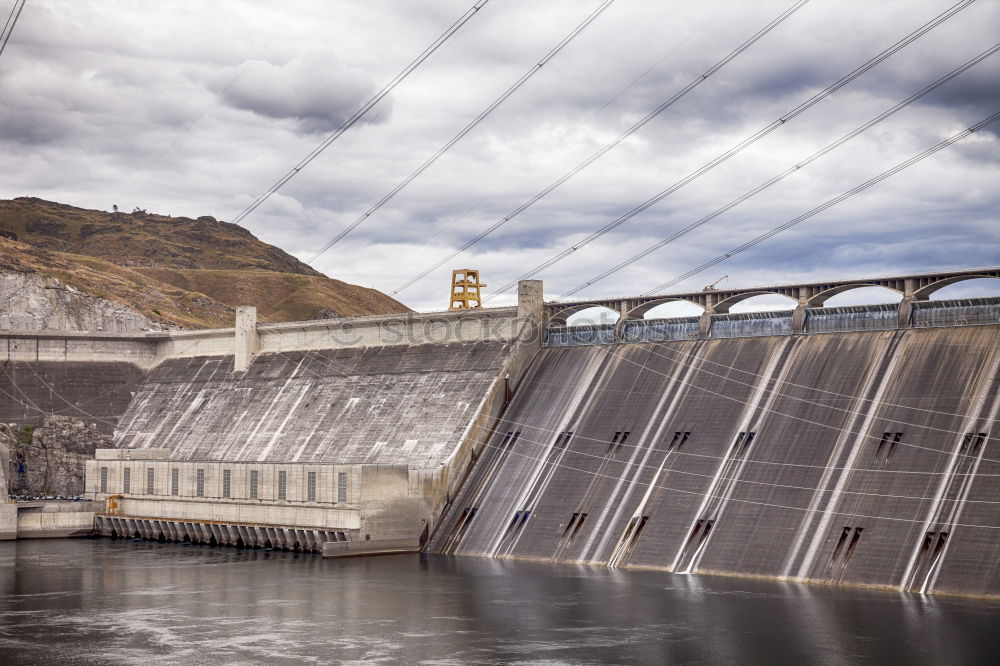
<point x="195" y="108"/>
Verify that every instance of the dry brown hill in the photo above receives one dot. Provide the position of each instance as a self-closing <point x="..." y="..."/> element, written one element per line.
<point x="176" y="270"/>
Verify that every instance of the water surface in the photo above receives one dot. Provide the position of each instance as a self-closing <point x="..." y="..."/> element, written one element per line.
<point x="93" y="601"/>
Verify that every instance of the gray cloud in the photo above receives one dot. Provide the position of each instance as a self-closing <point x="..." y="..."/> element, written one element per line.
<point x="311" y="90"/>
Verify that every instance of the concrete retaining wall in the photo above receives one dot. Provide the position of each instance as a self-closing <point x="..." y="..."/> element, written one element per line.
<point x="96" y="392"/>
<point x="50" y="520"/>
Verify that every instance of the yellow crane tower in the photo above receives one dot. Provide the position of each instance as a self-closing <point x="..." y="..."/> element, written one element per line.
<point x="465" y="288"/>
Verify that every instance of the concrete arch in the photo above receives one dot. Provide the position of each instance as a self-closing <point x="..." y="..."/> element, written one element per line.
<point x="822" y="297"/>
<point x="639" y="311"/>
<point x="924" y="293"/>
<point x="723" y="306"/>
<point x="561" y="317"/>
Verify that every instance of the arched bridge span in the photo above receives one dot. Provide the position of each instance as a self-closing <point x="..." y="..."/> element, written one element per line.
<point x="912" y="287"/>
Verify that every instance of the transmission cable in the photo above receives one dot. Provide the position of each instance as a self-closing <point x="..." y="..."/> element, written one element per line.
<point x="691" y="364"/>
<point x="357" y="115"/>
<point x="197" y="119"/>
<point x="832" y="202"/>
<point x="8" y="27"/>
<point x="468" y="128"/>
<point x="330" y="363"/>
<point x="735" y="479"/>
<point x="781" y="176"/>
<point x="612" y="144"/>
<point x="739" y="147"/>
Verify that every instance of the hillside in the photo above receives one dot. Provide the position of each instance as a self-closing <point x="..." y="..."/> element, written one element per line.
<point x="174" y="270"/>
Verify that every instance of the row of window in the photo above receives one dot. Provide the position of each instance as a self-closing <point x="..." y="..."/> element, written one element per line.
<point x="227" y="483"/>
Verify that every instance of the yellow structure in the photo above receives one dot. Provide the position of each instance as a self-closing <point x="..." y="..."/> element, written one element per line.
<point x="465" y="288"/>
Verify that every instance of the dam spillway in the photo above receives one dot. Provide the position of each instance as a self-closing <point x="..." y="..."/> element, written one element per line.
<point x="863" y="458"/>
<point x="392" y="405"/>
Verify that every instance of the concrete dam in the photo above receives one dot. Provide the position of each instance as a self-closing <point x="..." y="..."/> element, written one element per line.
<point x="836" y="445"/>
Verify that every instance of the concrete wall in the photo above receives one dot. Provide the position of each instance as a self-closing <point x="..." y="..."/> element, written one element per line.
<point x="392" y="405"/>
<point x="96" y="392"/>
<point x="347" y="502"/>
<point x="485" y="324"/>
<point x="8" y="521"/>
<point x="55" y="520"/>
<point x="789" y="504"/>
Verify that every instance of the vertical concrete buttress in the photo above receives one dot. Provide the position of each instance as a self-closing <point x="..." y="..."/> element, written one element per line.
<point x="531" y="311"/>
<point x="247" y="338"/>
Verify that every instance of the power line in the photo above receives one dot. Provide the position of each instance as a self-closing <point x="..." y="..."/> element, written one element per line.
<point x="737" y="479"/>
<point x="468" y="128"/>
<point x="357" y="115"/>
<point x="739" y="147"/>
<point x="8" y="27"/>
<point x="787" y="172"/>
<point x="330" y="363"/>
<point x="662" y="58"/>
<point x="734" y="479"/>
<point x="215" y="100"/>
<point x="612" y="144"/>
<point x="828" y="204"/>
<point x="724" y="396"/>
<point x="734" y="499"/>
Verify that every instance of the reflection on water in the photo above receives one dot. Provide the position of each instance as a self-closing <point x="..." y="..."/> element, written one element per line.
<point x="101" y="601"/>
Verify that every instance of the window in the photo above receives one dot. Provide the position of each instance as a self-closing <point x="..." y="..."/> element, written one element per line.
<point x="971" y="444"/>
<point x="175" y="481"/>
<point x="227" y="483"/>
<point x="200" y="483"/>
<point x="680" y="438"/>
<point x="697" y="538"/>
<point x="282" y="485"/>
<point x="149" y="481"/>
<point x="887" y="446"/>
<point x="575" y="523"/>
<point x="616" y="442"/>
<point x="126" y="480"/>
<point x="254" y="478"/>
<point x="849" y="538"/>
<point x="743" y="441"/>
<point x="311" y="487"/>
<point x="563" y="439"/>
<point x="342" y="487"/>
<point x="104" y="479"/>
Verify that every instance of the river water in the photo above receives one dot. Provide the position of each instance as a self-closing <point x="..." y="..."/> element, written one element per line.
<point x="93" y="601"/>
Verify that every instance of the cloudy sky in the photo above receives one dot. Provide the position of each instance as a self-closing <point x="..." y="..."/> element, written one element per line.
<point x="195" y="108"/>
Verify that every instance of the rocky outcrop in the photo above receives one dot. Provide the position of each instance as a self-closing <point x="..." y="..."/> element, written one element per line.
<point x="50" y="460"/>
<point x="7" y="442"/>
<point x="32" y="302"/>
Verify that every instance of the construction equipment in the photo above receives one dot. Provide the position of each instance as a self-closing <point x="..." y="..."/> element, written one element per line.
<point x="712" y="287"/>
<point x="465" y="288"/>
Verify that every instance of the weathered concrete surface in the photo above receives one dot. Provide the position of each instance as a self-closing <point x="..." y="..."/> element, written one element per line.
<point x="788" y="504"/>
<point x="7" y="442"/>
<point x="55" y="519"/>
<point x="8" y="521"/>
<point x="52" y="462"/>
<point x="398" y="405"/>
<point x="336" y="549"/>
<point x="8" y="514"/>
<point x="95" y="392"/>
<point x="33" y="302"/>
